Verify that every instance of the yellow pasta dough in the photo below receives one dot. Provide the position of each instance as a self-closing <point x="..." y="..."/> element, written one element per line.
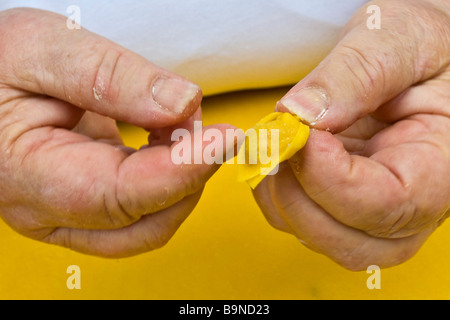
<point x="258" y="154"/>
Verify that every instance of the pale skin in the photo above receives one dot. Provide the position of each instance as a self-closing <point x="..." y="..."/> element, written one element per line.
<point x="371" y="184"/>
<point x="369" y="187"/>
<point x="66" y="178"/>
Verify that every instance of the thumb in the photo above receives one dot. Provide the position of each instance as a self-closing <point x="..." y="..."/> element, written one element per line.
<point x="40" y="54"/>
<point x="368" y="67"/>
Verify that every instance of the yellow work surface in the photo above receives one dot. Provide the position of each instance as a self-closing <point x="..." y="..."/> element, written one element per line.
<point x="224" y="250"/>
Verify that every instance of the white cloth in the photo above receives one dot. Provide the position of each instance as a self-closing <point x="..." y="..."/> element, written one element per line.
<point x="221" y="45"/>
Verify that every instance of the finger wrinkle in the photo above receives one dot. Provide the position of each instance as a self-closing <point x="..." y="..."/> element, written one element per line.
<point x="12" y="127"/>
<point x="107" y="71"/>
<point x="124" y="216"/>
<point x="370" y="71"/>
<point x="157" y="236"/>
<point x="394" y="225"/>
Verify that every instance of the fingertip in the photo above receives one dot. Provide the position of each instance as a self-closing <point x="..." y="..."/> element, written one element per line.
<point x="177" y="96"/>
<point x="309" y="103"/>
<point x="173" y="101"/>
<point x="321" y="151"/>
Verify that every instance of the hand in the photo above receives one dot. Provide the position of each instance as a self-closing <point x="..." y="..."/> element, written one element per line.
<point x="66" y="177"/>
<point x="371" y="185"/>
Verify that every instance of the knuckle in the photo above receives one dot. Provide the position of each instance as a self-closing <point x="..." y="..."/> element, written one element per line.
<point x="398" y="222"/>
<point x="367" y="69"/>
<point x="123" y="205"/>
<point x="17" y="15"/>
<point x="58" y="236"/>
<point x="118" y="213"/>
<point x="158" y="237"/>
<point x="110" y="71"/>
<point x="276" y="223"/>
<point x="192" y="182"/>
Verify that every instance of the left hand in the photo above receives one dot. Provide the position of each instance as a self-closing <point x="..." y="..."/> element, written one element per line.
<point x="65" y="176"/>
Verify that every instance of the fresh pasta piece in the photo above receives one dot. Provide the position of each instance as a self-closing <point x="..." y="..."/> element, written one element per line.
<point x="274" y="139"/>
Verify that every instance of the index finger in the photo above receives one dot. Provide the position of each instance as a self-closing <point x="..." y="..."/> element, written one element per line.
<point x="41" y="55"/>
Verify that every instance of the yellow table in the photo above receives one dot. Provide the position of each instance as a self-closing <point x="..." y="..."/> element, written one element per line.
<point x="225" y="249"/>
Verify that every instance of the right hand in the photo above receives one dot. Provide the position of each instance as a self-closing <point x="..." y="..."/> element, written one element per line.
<point x="370" y="186"/>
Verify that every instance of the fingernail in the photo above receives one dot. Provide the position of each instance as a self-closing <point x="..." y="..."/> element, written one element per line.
<point x="174" y="94"/>
<point x="309" y="104"/>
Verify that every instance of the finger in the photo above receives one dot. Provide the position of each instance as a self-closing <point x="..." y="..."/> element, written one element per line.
<point x="356" y="137"/>
<point x="90" y="72"/>
<point x="69" y="180"/>
<point x="427" y="98"/>
<point x="151" y="232"/>
<point x="264" y="200"/>
<point x="382" y="193"/>
<point x="99" y="128"/>
<point x="163" y="136"/>
<point x="167" y="174"/>
<point x="370" y="67"/>
<point x="349" y="247"/>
